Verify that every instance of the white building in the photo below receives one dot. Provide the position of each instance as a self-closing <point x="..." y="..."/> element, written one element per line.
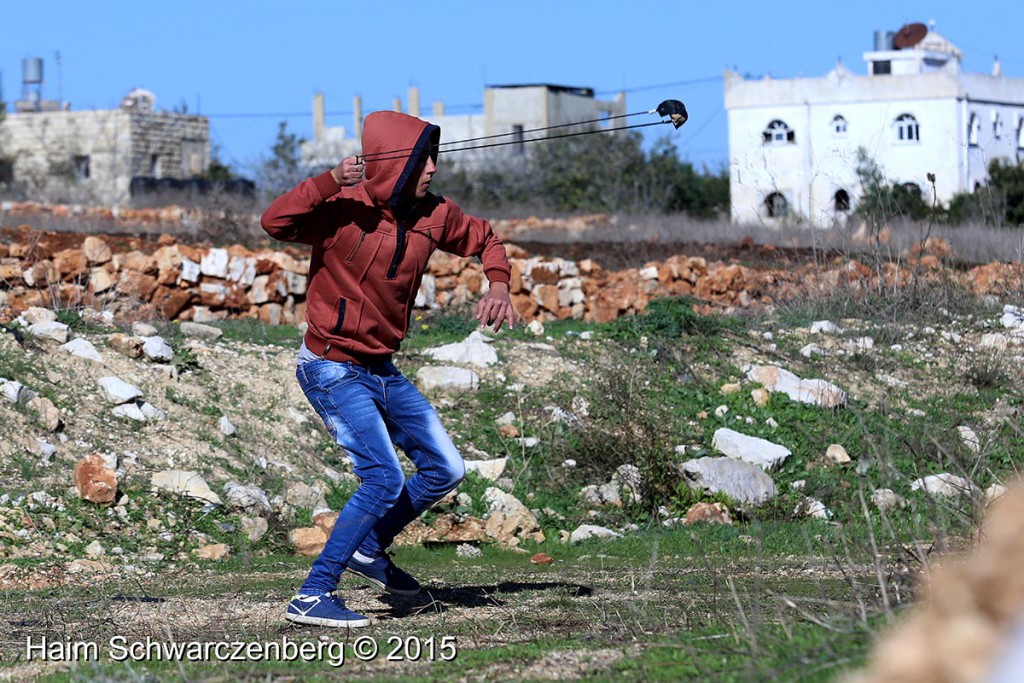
<point x="510" y="112"/>
<point x="793" y="143"/>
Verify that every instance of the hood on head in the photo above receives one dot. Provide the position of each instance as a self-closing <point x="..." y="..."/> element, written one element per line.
<point x="394" y="144"/>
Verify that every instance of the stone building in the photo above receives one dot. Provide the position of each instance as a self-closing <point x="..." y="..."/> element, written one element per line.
<point x="793" y="143"/>
<point x="91" y="156"/>
<point x="509" y="111"/>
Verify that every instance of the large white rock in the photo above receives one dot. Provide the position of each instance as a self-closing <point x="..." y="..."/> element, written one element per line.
<point x="82" y="348"/>
<point x="214" y="263"/>
<point x="131" y="411"/>
<point x="155" y="348"/>
<point x="185" y="483"/>
<point x="36" y="314"/>
<point x="761" y="452"/>
<point x="201" y="331"/>
<point x="475" y="349"/>
<point x="446" y="378"/>
<point x="151" y="412"/>
<point x="812" y="391"/>
<point x="585" y="532"/>
<point x="12" y="391"/>
<point x="56" y="331"/>
<point x="944" y="485"/>
<point x="247" y="497"/>
<point x="1013" y="317"/>
<point x="824" y="327"/>
<point x="117" y="391"/>
<point x="741" y="481"/>
<point x="488" y="469"/>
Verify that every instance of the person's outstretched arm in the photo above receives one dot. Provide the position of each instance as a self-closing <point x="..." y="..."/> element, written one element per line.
<point x="466" y="235"/>
<point x="303" y="214"/>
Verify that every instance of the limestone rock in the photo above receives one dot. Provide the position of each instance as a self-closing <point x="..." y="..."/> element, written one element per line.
<point x="47" y="413"/>
<point x="509" y="519"/>
<point x="156" y="349"/>
<point x="442" y="378"/>
<point x="248" y="498"/>
<point x="812" y="391"/>
<point x="117" y="391"/>
<point x="225" y="426"/>
<point x="586" y="532"/>
<point x="96" y="250"/>
<point x="837" y="455"/>
<point x="215" y="552"/>
<point x="200" y="331"/>
<point x="761" y="452"/>
<point x="710" y="513"/>
<point x="82" y="348"/>
<point x="94" y="481"/>
<point x="886" y="500"/>
<point x="53" y="331"/>
<point x="475" y="349"/>
<point x="741" y="481"/>
<point x="307" y="541"/>
<point x="944" y="485"/>
<point x="255" y="528"/>
<point x="185" y="483"/>
<point x="488" y="469"/>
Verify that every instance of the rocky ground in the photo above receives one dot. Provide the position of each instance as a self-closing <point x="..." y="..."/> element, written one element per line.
<point x="149" y="452"/>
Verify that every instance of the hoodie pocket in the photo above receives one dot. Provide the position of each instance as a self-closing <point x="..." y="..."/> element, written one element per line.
<point x="336" y="330"/>
<point x="355" y="248"/>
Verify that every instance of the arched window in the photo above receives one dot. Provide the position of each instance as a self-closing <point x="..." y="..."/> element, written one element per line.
<point x="778" y="133"/>
<point x="776" y="205"/>
<point x="997" y="126"/>
<point x="907" y="129"/>
<point x="841" y="201"/>
<point x="838" y="126"/>
<point x="973" y="130"/>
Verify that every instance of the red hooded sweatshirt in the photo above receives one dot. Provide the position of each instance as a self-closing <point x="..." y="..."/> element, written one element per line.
<point x="369" y="249"/>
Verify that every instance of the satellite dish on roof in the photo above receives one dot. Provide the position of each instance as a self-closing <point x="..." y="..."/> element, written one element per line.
<point x="909" y="36"/>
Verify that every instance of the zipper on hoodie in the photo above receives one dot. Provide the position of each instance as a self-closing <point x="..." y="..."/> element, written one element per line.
<point x="355" y="249"/>
<point x="399" y="249"/>
<point x="341" y="318"/>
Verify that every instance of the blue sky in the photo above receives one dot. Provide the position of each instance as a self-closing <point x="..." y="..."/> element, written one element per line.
<point x="247" y="65"/>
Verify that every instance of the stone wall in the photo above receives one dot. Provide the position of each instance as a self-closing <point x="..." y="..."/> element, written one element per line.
<point x="184" y="282"/>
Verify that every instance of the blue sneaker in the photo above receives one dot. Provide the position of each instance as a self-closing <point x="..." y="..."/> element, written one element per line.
<point x="383" y="573"/>
<point x="326" y="609"/>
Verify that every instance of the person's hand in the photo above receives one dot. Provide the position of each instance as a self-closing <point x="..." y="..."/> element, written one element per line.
<point x="349" y="172"/>
<point x="496" y="307"/>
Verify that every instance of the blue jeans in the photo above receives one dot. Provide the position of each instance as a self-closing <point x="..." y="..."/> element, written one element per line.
<point x="366" y="410"/>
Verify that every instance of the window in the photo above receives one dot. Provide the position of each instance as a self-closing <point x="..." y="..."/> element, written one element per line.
<point x="838" y="126"/>
<point x="997" y="126"/>
<point x="154" y="165"/>
<point x="841" y="201"/>
<point x="776" y="205"/>
<point x="973" y="131"/>
<point x="1020" y="140"/>
<point x="80" y="166"/>
<point x="881" y="68"/>
<point x="517" y="137"/>
<point x="907" y="129"/>
<point x="778" y="133"/>
<point x="6" y="171"/>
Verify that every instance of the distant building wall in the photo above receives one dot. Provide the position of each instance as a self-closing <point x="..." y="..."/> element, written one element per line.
<point x="507" y="109"/>
<point x="796" y="141"/>
<point x="82" y="156"/>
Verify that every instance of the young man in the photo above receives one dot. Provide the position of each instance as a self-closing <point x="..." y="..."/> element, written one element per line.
<point x="371" y="240"/>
